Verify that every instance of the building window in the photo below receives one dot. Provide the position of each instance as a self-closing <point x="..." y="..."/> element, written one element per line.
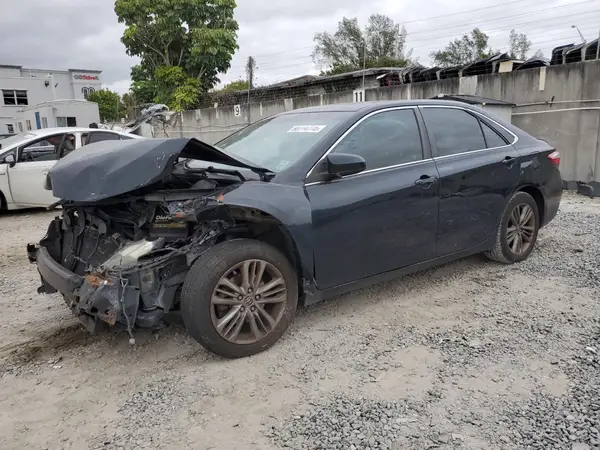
<point x="86" y="91"/>
<point x="14" y="98"/>
<point x="10" y="127"/>
<point x="66" y="122"/>
<point x="20" y="127"/>
<point x="28" y="123"/>
<point x="44" y="122"/>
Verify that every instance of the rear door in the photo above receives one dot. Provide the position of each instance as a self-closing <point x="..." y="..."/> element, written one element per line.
<point x="479" y="169"/>
<point x="381" y="219"/>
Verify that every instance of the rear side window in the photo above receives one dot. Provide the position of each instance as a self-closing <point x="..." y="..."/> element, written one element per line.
<point x="385" y="139"/>
<point x="102" y="136"/>
<point x="492" y="139"/>
<point x="453" y="130"/>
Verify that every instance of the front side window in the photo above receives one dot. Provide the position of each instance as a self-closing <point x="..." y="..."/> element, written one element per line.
<point x="45" y="149"/>
<point x="453" y="130"/>
<point x="278" y="142"/>
<point x="385" y="139"/>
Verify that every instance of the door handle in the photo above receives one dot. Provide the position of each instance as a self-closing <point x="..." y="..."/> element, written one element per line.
<point x="509" y="161"/>
<point x="425" y="181"/>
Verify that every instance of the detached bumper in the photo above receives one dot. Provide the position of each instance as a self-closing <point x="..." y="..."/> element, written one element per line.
<point x="53" y="274"/>
<point x="91" y="298"/>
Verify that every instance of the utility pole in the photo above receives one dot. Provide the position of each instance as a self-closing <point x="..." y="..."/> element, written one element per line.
<point x="598" y="47"/>
<point x="250" y="69"/>
<point x="364" y="64"/>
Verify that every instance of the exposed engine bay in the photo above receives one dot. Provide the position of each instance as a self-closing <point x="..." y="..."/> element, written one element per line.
<point x="129" y="255"/>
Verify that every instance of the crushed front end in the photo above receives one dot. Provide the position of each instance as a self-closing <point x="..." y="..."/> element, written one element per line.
<point x="125" y="262"/>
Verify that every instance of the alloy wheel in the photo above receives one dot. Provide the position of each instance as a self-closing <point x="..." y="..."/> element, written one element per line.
<point x="520" y="230"/>
<point x="248" y="301"/>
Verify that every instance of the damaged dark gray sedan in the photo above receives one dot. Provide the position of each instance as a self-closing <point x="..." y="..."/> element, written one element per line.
<point x="293" y="209"/>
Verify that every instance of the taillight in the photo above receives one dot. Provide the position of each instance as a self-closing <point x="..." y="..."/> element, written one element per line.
<point x="555" y="158"/>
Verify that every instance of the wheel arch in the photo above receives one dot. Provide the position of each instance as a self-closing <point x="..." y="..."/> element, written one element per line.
<point x="3" y="202"/>
<point x="537" y="195"/>
<point x="255" y="223"/>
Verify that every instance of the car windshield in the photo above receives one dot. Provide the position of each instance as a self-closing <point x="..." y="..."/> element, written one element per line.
<point x="277" y="143"/>
<point x="10" y="141"/>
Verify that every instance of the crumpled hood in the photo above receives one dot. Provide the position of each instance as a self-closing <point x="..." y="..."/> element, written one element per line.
<point x="109" y="168"/>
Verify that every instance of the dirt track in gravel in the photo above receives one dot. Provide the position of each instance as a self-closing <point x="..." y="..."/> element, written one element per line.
<point x="466" y="348"/>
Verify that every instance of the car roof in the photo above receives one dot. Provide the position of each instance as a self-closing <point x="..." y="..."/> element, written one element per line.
<point x="46" y="131"/>
<point x="364" y="107"/>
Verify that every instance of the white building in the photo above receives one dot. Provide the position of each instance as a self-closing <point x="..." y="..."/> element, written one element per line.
<point x="57" y="113"/>
<point x="23" y="88"/>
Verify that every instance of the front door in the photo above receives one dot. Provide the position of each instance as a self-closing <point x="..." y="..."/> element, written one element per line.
<point x="34" y="161"/>
<point x="384" y="218"/>
<point x="478" y="170"/>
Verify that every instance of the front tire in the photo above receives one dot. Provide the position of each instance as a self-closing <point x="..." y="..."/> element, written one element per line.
<point x="517" y="231"/>
<point x="239" y="298"/>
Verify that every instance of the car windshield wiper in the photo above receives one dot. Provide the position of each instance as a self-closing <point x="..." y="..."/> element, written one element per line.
<point x="210" y="169"/>
<point x="264" y="174"/>
<point x="236" y="173"/>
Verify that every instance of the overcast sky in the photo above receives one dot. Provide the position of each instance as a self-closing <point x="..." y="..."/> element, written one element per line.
<point x="85" y="34"/>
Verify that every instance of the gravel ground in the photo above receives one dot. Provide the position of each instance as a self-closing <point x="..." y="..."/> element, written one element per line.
<point x="471" y="355"/>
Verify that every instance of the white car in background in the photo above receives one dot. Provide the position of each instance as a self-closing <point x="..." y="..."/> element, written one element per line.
<point x="26" y="159"/>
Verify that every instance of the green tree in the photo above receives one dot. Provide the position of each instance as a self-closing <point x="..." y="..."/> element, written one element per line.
<point x="238" y="85"/>
<point x="129" y="103"/>
<point x="381" y="44"/>
<point x="188" y="42"/>
<point x="518" y="45"/>
<point x="109" y="104"/>
<point x="142" y="84"/>
<point x="468" y="48"/>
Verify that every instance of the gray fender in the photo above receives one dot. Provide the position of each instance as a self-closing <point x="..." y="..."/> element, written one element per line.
<point x="289" y="205"/>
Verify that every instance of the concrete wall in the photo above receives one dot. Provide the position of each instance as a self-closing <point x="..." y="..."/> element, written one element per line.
<point x="560" y="104"/>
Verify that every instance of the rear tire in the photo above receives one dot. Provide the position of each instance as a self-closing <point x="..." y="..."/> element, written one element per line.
<point x="235" y="316"/>
<point x="517" y="231"/>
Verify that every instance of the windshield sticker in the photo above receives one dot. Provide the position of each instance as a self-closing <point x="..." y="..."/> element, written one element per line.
<point x="282" y="166"/>
<point x="307" y="129"/>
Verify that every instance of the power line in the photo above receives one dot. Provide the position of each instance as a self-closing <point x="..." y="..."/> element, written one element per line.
<point x="308" y="58"/>
<point x="501" y="49"/>
<point x="463" y="24"/>
<point x="425" y="19"/>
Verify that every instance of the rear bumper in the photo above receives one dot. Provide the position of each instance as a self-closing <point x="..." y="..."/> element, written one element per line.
<point x="552" y="205"/>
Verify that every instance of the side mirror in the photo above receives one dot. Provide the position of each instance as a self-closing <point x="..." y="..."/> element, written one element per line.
<point x="343" y="164"/>
<point x="10" y="160"/>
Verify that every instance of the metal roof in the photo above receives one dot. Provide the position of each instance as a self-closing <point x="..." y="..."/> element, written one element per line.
<point x="472" y="99"/>
<point x="371" y="106"/>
